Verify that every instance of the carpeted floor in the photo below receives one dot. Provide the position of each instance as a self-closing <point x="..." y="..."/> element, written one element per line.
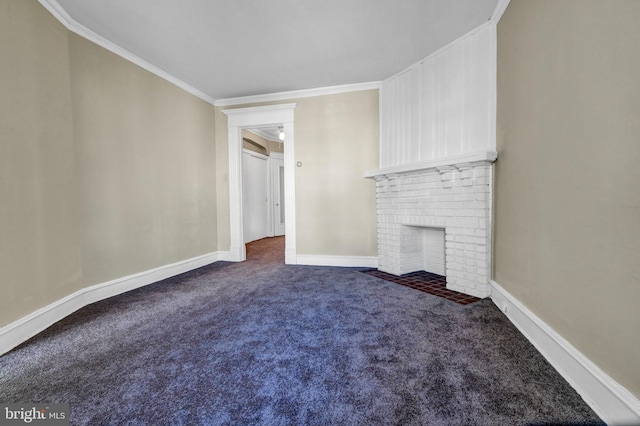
<point x="260" y="342"/>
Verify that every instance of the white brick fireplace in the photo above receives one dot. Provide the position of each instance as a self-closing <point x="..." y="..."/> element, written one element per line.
<point x="437" y="143"/>
<point x="437" y="218"/>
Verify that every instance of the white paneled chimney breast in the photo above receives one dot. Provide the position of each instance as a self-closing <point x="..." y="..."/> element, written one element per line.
<point x="433" y="188"/>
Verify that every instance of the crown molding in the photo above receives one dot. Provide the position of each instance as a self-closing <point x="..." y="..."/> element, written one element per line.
<point x="297" y="94"/>
<point x="501" y="6"/>
<point x="65" y="19"/>
<point x="247" y="117"/>
<point x="263" y="135"/>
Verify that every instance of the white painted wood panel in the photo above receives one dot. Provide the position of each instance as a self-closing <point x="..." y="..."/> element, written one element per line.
<point x="444" y="105"/>
<point x="255" y="196"/>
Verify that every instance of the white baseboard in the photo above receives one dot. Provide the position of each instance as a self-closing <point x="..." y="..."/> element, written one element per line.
<point x="290" y="257"/>
<point x="222" y="255"/>
<point x="609" y="399"/>
<point x="328" y="260"/>
<point x="23" y="329"/>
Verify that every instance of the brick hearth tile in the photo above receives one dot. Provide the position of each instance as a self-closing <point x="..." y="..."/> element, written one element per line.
<point x="425" y="282"/>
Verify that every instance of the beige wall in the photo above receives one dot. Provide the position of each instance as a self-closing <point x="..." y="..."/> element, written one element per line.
<point x="40" y="259"/>
<point x="567" y="194"/>
<point x="105" y="169"/>
<point x="146" y="159"/>
<point x="276" y="146"/>
<point x="269" y="146"/>
<point x="336" y="139"/>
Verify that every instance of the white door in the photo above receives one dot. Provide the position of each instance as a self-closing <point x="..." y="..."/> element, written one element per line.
<point x="254" y="196"/>
<point x="277" y="191"/>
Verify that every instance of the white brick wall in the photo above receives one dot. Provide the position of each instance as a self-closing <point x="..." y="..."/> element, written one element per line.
<point x="454" y="198"/>
<point x="433" y="250"/>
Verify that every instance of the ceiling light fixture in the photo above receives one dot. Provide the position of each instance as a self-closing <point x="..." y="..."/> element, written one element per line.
<point x="281" y="134"/>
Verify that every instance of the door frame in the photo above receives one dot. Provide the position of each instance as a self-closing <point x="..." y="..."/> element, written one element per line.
<point x="273" y="183"/>
<point x="255" y="117"/>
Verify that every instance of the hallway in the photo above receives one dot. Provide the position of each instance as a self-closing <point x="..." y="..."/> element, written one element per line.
<point x="266" y="250"/>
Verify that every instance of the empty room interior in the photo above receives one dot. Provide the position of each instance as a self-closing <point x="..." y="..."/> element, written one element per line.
<point x="320" y="212"/>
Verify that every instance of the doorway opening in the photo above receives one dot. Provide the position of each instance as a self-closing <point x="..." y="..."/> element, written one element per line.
<point x="263" y="183"/>
<point x="279" y="116"/>
<point x="267" y="250"/>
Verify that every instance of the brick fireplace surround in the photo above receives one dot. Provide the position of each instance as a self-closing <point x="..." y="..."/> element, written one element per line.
<point x="454" y="199"/>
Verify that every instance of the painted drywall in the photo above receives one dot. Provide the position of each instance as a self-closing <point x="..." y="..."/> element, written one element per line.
<point x="40" y="259"/>
<point x="146" y="166"/>
<point x="105" y="169"/>
<point x="567" y="199"/>
<point x="336" y="140"/>
<point x="251" y="145"/>
<point x="268" y="145"/>
<point x="276" y="146"/>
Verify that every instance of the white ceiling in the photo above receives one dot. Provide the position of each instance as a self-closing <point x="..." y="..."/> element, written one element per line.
<point x="233" y="48"/>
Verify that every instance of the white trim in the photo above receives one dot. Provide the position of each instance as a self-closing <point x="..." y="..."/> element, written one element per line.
<point x="272" y="184"/>
<point x="267" y="179"/>
<point x="493" y="102"/>
<point x="23" y="329"/>
<point x="264" y="135"/>
<point x="329" y="260"/>
<point x="255" y="154"/>
<point x="270" y="114"/>
<point x="65" y="19"/>
<point x="299" y="94"/>
<point x="277" y="155"/>
<point x="610" y="400"/>
<point x="237" y="119"/>
<point x="72" y="25"/>
<point x="499" y="10"/>
<point x="452" y="160"/>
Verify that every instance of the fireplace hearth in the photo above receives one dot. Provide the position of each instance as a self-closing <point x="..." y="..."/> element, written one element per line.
<point x="454" y="200"/>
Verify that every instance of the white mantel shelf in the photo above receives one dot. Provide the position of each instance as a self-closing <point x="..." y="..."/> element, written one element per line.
<point x="453" y="160"/>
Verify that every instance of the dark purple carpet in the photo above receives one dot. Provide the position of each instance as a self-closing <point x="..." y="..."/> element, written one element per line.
<point x="263" y="343"/>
